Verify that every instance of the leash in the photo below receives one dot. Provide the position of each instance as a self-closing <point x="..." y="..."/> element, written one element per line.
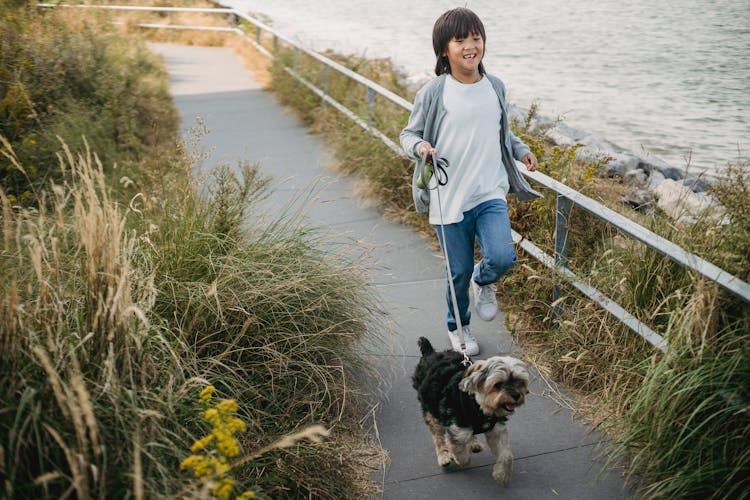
<point x="439" y="166"/>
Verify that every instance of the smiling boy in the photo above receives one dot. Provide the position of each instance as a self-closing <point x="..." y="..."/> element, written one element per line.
<point x="461" y="117"/>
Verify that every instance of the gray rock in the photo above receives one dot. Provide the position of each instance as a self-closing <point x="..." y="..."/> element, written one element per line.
<point x="654" y="179"/>
<point x="697" y="184"/>
<point x="614" y="168"/>
<point x="681" y="204"/>
<point x="667" y="170"/>
<point x="619" y="165"/>
<point x="560" y="139"/>
<point x="639" y="199"/>
<point x="635" y="178"/>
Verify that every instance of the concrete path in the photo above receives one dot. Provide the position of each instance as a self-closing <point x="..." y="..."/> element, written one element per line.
<point x="555" y="456"/>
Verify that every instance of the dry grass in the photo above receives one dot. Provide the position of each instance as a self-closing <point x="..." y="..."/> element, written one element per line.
<point x="119" y="304"/>
<point x="114" y="316"/>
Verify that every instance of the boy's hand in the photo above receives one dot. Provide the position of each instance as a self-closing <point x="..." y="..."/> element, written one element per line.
<point x="425" y="148"/>
<point x="530" y="161"/>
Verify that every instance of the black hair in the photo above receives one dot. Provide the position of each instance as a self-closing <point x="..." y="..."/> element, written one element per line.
<point x="458" y="23"/>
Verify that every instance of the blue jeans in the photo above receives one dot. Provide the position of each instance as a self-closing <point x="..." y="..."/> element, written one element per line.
<point x="489" y="224"/>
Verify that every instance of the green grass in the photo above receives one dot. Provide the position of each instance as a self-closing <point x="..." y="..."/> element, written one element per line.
<point x="66" y="77"/>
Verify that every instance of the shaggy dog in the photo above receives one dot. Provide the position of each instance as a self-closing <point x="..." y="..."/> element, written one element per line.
<point x="459" y="402"/>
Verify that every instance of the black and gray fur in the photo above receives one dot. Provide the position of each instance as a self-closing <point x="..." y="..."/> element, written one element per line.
<point x="459" y="402"/>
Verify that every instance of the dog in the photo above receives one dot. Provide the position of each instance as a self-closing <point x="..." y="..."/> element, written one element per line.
<point x="460" y="402"/>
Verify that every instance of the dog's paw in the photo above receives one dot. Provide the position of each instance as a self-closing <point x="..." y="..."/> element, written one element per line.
<point x="474" y="446"/>
<point x="444" y="458"/>
<point x="502" y="471"/>
<point x="462" y="459"/>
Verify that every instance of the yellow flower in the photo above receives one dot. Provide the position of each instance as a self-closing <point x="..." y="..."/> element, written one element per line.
<point x="212" y="416"/>
<point x="210" y="467"/>
<point x="227" y="445"/>
<point x="206" y="394"/>
<point x="202" y="443"/>
<point x="224" y="488"/>
<point x="235" y="424"/>
<point x="200" y="465"/>
<point x="227" y="406"/>
<point x="247" y="495"/>
<point x="221" y="466"/>
<point x="190" y="462"/>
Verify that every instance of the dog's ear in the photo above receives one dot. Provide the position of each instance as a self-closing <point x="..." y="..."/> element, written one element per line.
<point x="473" y="378"/>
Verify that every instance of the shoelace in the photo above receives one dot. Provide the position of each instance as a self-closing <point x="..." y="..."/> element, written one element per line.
<point x="469" y="336"/>
<point x="486" y="292"/>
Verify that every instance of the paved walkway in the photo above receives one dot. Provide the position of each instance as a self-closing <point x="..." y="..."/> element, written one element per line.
<point x="555" y="456"/>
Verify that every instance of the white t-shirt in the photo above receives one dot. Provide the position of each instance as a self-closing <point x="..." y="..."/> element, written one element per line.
<point x="469" y="138"/>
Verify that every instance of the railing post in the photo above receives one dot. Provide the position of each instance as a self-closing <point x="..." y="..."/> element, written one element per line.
<point x="258" y="33"/>
<point x="324" y="79"/>
<point x="295" y="63"/>
<point x="562" y="217"/>
<point x="371" y="104"/>
<point x="275" y="43"/>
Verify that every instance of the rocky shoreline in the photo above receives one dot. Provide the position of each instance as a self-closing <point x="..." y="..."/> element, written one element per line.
<point x="650" y="182"/>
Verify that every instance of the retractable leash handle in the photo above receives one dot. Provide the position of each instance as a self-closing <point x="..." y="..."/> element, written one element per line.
<point x="456" y="313"/>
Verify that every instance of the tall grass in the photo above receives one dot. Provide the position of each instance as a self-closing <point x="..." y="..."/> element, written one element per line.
<point x="114" y="316"/>
<point x="692" y="443"/>
<point x="67" y="76"/>
<point x="123" y="292"/>
<point x="680" y="420"/>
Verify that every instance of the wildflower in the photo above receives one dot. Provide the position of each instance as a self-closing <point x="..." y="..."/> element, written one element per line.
<point x="227" y="445"/>
<point x="227" y="406"/>
<point x="206" y="394"/>
<point x="212" y="416"/>
<point x="234" y="424"/>
<point x="218" y="447"/>
<point x="200" y="465"/>
<point x="224" y="488"/>
<point x="202" y="443"/>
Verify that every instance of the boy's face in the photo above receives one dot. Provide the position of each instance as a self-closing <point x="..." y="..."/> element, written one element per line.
<point x="464" y="56"/>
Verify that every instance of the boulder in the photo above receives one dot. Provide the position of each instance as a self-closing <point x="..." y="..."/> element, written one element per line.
<point x="697" y="184"/>
<point x="683" y="205"/>
<point x="636" y="178"/>
<point x="666" y="169"/>
<point x="620" y="165"/>
<point x="638" y="199"/>
<point x="654" y="179"/>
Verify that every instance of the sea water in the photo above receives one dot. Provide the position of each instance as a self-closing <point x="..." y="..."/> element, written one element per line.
<point x="668" y="78"/>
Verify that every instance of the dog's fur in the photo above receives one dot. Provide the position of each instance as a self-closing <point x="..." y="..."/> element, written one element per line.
<point x="459" y="402"/>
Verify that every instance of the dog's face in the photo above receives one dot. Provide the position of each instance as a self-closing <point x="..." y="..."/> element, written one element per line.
<point x="499" y="384"/>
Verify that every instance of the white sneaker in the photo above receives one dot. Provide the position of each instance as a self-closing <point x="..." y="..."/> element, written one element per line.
<point x="485" y="301"/>
<point x="472" y="348"/>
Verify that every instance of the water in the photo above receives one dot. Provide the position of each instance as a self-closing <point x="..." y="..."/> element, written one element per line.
<point x="663" y="78"/>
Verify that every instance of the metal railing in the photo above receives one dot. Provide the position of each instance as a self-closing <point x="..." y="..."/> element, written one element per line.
<point x="566" y="196"/>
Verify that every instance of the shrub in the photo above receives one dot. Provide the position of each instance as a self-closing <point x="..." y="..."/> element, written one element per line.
<point x="63" y="77"/>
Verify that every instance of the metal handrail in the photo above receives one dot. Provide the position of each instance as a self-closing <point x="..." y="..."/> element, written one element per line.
<point x="566" y="195"/>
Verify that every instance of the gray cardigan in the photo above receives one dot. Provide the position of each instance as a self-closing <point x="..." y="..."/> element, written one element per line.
<point x="424" y="122"/>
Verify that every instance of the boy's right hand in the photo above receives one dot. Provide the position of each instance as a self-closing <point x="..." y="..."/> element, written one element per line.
<point x="425" y="148"/>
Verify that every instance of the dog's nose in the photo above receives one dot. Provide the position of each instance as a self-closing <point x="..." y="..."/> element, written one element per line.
<point x="515" y="395"/>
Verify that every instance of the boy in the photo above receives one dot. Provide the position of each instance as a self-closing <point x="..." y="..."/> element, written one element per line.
<point x="461" y="115"/>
